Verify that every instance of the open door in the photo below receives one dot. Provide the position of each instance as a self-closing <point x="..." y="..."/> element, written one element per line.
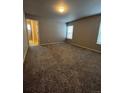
<point x="33" y="32"/>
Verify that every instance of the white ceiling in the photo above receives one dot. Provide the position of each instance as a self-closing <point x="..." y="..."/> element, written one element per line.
<point x="76" y="8"/>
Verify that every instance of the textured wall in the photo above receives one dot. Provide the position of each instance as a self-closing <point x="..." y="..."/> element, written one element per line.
<point x="86" y="32"/>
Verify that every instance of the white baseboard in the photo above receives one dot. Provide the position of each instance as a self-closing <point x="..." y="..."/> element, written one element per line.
<point x="51" y="43"/>
<point x="86" y="48"/>
<point x="72" y="44"/>
<point x="25" y="53"/>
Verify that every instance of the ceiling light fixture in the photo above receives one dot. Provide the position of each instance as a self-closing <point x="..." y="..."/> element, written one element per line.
<point x="61" y="9"/>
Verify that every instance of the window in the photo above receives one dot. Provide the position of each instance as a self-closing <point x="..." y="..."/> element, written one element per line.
<point x="28" y="26"/>
<point x="99" y="36"/>
<point x="69" y="32"/>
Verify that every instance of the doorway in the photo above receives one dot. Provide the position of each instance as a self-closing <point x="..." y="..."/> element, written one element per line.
<point x="33" y="32"/>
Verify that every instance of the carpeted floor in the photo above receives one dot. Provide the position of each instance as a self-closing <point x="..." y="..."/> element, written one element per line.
<point x="62" y="68"/>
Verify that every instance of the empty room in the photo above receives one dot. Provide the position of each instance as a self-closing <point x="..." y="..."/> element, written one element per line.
<point x="62" y="46"/>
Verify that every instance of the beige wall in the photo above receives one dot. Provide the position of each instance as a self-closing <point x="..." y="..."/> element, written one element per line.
<point x="86" y="32"/>
<point x="25" y="38"/>
<point x="50" y="30"/>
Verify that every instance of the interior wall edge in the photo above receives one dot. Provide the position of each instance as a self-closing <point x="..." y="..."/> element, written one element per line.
<point x="51" y="43"/>
<point x="25" y="53"/>
<point x="25" y="39"/>
<point x="94" y="50"/>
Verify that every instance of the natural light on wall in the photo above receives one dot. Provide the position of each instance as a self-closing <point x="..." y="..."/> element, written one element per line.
<point x="69" y="32"/>
<point x="28" y="26"/>
<point x="99" y="36"/>
<point x="32" y="29"/>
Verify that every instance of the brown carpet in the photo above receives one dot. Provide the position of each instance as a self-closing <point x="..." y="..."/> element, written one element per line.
<point x="62" y="68"/>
